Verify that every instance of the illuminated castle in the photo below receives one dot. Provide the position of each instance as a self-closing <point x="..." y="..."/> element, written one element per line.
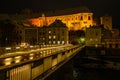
<point x="75" y="18"/>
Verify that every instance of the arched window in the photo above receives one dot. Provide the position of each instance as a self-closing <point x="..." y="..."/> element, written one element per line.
<point x="89" y="18"/>
<point x="81" y="17"/>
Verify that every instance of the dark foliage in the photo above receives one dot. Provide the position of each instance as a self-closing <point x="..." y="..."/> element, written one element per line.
<point x="8" y="36"/>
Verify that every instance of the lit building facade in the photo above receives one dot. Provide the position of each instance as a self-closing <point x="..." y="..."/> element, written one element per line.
<point x="79" y="20"/>
<point x="53" y="34"/>
<point x="75" y="18"/>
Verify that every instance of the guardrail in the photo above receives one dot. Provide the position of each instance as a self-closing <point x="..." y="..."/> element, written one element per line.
<point x="10" y="49"/>
<point x="31" y="64"/>
<point x="17" y="57"/>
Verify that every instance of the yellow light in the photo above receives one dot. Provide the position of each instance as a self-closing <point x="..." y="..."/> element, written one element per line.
<point x="17" y="59"/>
<point x="31" y="46"/>
<point x="31" y="56"/>
<point x="8" y="48"/>
<point x="8" y="61"/>
<point x="17" y="47"/>
<point x="82" y="39"/>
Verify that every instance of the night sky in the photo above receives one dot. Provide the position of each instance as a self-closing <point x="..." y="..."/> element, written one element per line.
<point x="98" y="7"/>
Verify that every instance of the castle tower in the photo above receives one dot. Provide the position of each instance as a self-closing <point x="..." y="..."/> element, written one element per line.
<point x="106" y="21"/>
<point x="44" y="20"/>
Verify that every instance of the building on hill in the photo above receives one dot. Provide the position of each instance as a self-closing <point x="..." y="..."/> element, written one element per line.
<point x="78" y="18"/>
<point x="106" y="21"/>
<point x="75" y="18"/>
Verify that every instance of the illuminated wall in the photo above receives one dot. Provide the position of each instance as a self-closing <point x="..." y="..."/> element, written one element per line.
<point x="74" y="21"/>
<point x="35" y="21"/>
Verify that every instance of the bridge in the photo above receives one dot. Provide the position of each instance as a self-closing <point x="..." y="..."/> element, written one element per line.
<point x="31" y="64"/>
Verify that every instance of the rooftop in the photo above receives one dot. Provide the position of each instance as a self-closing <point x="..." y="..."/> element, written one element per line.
<point x="82" y="9"/>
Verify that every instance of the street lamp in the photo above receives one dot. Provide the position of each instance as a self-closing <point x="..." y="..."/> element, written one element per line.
<point x="82" y="40"/>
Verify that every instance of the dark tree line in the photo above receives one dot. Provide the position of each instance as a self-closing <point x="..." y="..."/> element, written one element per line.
<point x="8" y="34"/>
<point x="75" y="35"/>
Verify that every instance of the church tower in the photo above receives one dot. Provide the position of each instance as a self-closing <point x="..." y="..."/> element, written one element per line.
<point x="106" y="21"/>
<point x="44" y="20"/>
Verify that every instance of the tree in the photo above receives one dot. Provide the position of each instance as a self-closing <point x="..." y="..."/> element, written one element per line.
<point x="58" y="23"/>
<point x="8" y="33"/>
<point x="33" y="41"/>
<point x="74" y="36"/>
<point x="80" y="33"/>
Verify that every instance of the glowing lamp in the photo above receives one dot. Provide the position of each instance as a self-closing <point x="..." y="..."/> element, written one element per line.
<point x="82" y="39"/>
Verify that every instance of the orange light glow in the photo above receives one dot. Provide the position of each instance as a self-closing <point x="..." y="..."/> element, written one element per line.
<point x="72" y="21"/>
<point x="35" y="22"/>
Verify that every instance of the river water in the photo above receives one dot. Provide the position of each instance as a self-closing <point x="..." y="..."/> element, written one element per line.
<point x="82" y="73"/>
<point x="94" y="70"/>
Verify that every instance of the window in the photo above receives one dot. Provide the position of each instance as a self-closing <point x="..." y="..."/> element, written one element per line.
<point x="54" y="37"/>
<point x="71" y="18"/>
<point x="53" y="42"/>
<point x="49" y="32"/>
<point x="96" y="34"/>
<point x="49" y="42"/>
<point x="81" y="18"/>
<point x="89" y="18"/>
<point x="58" y="42"/>
<point x="43" y="38"/>
<point x="49" y="37"/>
<point x="76" y="18"/>
<point x="63" y="42"/>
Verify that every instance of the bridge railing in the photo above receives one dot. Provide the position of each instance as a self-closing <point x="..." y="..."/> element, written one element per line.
<point x="18" y="56"/>
<point x="11" y="49"/>
<point x="34" y="63"/>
